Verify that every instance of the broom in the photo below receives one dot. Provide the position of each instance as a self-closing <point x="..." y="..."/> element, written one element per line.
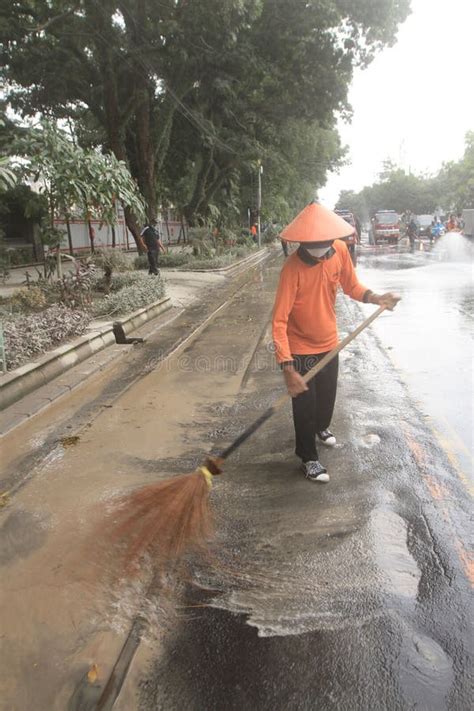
<point x="170" y="518"/>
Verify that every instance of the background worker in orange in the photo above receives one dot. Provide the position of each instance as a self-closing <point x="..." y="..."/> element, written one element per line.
<point x="304" y="324"/>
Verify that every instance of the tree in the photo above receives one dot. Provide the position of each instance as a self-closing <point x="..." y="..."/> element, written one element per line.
<point x="455" y="181"/>
<point x="452" y="189"/>
<point x="75" y="179"/>
<point x="192" y="94"/>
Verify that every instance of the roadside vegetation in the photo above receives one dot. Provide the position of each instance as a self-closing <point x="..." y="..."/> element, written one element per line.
<point x="451" y="189"/>
<point x="195" y="97"/>
<point x="148" y="105"/>
<point x="46" y="312"/>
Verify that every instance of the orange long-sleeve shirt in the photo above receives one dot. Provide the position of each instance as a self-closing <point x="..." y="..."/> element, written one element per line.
<point x="304" y="315"/>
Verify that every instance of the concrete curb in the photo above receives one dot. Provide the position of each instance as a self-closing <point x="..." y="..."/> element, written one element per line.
<point x="24" y="380"/>
<point x="29" y="377"/>
<point x="254" y="257"/>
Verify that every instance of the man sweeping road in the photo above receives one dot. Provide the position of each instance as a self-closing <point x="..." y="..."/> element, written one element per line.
<point x="305" y="328"/>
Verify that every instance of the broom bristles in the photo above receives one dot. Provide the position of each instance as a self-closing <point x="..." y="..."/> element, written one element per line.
<point x="164" y="520"/>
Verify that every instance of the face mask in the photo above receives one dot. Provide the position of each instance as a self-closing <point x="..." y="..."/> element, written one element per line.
<point x="317" y="252"/>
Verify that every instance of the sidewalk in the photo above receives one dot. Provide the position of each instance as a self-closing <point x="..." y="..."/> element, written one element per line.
<point x="182" y="288"/>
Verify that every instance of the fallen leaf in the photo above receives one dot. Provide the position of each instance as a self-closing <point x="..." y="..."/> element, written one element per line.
<point x="93" y="674"/>
<point x="69" y="441"/>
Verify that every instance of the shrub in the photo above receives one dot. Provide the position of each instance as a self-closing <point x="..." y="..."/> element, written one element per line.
<point x="145" y="291"/>
<point x="32" y="335"/>
<point x="75" y="288"/>
<point x="245" y="250"/>
<point x="30" y="299"/>
<point x="212" y="263"/>
<point x="124" y="279"/>
<point x="167" y="260"/>
<point x="228" y="236"/>
<point x="110" y="260"/>
<point x="20" y="255"/>
<point x="270" y="234"/>
<point x="202" y="242"/>
<point x="119" y="281"/>
<point x="141" y="262"/>
<point x="245" y="239"/>
<point x="174" y="259"/>
<point x="4" y="261"/>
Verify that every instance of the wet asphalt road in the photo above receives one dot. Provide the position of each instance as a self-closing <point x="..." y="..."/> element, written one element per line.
<point x="354" y="595"/>
<point x="434" y="349"/>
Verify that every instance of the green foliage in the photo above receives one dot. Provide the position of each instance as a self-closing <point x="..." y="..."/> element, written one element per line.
<point x="208" y="259"/>
<point x="270" y="235"/>
<point x="455" y="181"/>
<point x="76" y="178"/>
<point x="216" y="262"/>
<point x="119" y="281"/>
<point x="145" y="291"/>
<point x="74" y="289"/>
<point x="208" y="90"/>
<point x="18" y="256"/>
<point x="4" y="261"/>
<point x="141" y="262"/>
<point x="50" y="236"/>
<point x="110" y="260"/>
<point x="29" y="299"/>
<point x="451" y="189"/>
<point x="174" y="259"/>
<point x="7" y="175"/>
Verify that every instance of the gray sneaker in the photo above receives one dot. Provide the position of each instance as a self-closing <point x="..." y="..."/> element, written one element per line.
<point x="327" y="438"/>
<point x="314" y="471"/>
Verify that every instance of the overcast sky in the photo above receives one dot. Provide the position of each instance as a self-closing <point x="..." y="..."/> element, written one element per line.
<point x="415" y="102"/>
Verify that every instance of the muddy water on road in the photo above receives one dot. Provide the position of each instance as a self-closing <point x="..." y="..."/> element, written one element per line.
<point x="332" y="596"/>
<point x="57" y="617"/>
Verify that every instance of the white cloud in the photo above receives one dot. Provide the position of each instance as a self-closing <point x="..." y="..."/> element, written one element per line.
<point x="415" y="102"/>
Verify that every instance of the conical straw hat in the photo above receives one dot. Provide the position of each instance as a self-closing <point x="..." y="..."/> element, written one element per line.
<point x="316" y="224"/>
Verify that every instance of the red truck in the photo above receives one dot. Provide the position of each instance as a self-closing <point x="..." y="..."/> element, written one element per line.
<point x="385" y="227"/>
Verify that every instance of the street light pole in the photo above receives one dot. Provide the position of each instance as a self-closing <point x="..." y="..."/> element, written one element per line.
<point x="259" y="204"/>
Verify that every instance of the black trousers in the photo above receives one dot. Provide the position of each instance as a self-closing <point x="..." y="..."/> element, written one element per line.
<point x="153" y="261"/>
<point x="313" y="409"/>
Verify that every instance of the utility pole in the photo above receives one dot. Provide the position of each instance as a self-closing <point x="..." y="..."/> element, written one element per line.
<point x="259" y="203"/>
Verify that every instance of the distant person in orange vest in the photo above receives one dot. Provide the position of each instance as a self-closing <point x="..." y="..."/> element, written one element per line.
<point x="304" y="324"/>
<point x="452" y="225"/>
<point x="253" y="232"/>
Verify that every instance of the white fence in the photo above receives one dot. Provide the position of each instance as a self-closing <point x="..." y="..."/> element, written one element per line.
<point x="171" y="233"/>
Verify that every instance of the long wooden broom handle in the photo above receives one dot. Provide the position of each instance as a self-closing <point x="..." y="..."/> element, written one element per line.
<point x="332" y="354"/>
<point x="310" y="374"/>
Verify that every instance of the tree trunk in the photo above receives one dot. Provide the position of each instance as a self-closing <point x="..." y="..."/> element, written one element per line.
<point x="69" y="236"/>
<point x="132" y="224"/>
<point x="91" y="236"/>
<point x="145" y="153"/>
<point x="191" y="209"/>
<point x="107" y="279"/>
